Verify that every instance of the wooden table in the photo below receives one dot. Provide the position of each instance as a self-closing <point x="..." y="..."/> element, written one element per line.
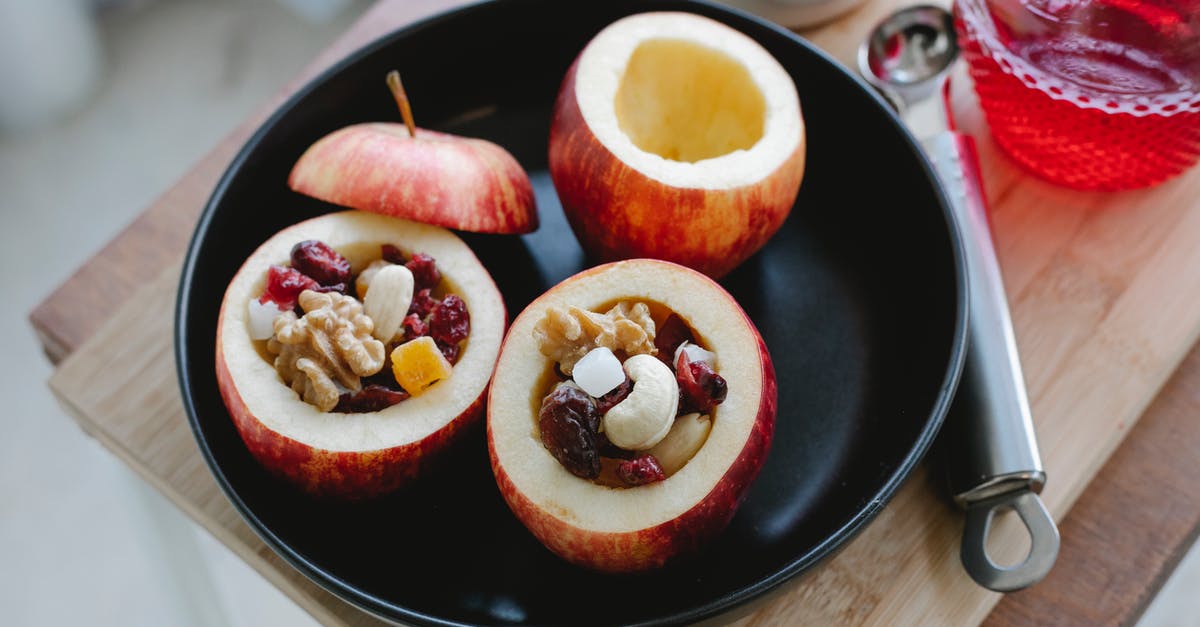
<point x="1106" y="303"/>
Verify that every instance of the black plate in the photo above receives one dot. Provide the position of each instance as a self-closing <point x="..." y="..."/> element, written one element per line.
<point x="860" y="298"/>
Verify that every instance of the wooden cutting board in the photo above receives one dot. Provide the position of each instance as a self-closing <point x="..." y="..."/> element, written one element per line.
<point x="1105" y="291"/>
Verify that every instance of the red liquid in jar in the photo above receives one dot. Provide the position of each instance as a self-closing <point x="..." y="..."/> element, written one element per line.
<point x="1099" y="94"/>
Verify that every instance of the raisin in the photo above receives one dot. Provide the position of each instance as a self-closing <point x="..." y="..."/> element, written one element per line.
<point x="568" y="422"/>
<point x="640" y="470"/>
<point x="370" y="398"/>
<point x="284" y="286"/>
<point x="618" y="394"/>
<point x="450" y="323"/>
<point x="449" y="351"/>
<point x="320" y="262"/>
<point x="391" y="254"/>
<point x="673" y="332"/>
<point x="422" y="303"/>
<point x="424" y="270"/>
<point x="700" y="387"/>
<point x="414" y="327"/>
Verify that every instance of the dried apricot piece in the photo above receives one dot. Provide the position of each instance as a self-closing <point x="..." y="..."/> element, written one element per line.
<point x="419" y="364"/>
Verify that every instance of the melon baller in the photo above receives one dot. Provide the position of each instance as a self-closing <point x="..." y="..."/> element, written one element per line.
<point x="989" y="441"/>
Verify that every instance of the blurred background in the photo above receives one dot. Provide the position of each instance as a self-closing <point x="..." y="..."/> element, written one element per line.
<point x="103" y="104"/>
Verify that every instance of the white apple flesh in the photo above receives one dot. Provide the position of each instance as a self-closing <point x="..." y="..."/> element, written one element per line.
<point x="355" y="455"/>
<point x="644" y="527"/>
<point x="679" y="138"/>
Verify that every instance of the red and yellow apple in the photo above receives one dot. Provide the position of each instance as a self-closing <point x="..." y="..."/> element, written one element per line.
<point x="643" y="527"/>
<point x="678" y="138"/>
<point x="356" y="455"/>
<point x="398" y="170"/>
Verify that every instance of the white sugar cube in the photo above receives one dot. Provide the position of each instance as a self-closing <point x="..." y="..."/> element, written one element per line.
<point x="598" y="372"/>
<point x="261" y="319"/>
<point x="695" y="353"/>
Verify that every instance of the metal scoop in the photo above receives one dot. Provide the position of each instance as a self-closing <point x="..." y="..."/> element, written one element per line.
<point x="990" y="444"/>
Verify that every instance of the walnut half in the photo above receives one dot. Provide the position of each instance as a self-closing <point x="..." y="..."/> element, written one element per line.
<point x="330" y="345"/>
<point x="567" y="334"/>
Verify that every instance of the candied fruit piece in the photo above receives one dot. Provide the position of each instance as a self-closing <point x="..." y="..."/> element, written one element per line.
<point x="321" y="263"/>
<point x="640" y="470"/>
<point x="424" y="270"/>
<point x="370" y="398"/>
<point x="568" y="422"/>
<point x="422" y="303"/>
<point x="391" y="254"/>
<point x="450" y="323"/>
<point x="419" y="364"/>
<point x="284" y="286"/>
<point x="673" y="332"/>
<point x="700" y="387"/>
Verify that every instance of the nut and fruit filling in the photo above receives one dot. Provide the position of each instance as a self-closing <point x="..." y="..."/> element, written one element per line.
<point x="634" y="398"/>
<point x="355" y="344"/>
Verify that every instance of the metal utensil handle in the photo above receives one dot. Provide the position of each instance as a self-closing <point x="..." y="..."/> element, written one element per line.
<point x="993" y="458"/>
<point x="997" y="451"/>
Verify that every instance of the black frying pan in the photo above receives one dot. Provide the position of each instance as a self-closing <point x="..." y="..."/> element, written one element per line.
<point x="860" y="298"/>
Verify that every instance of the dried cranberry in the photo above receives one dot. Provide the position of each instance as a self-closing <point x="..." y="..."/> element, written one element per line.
<point x="449" y="351"/>
<point x="422" y="303"/>
<point x="424" y="270"/>
<point x="700" y="387"/>
<point x="673" y="332"/>
<point x="284" y="286"/>
<point x="618" y="394"/>
<point x="640" y="470"/>
<point x="450" y="323"/>
<point x="414" y="327"/>
<point x="370" y="398"/>
<point x="568" y="422"/>
<point x="320" y="262"/>
<point x="391" y="254"/>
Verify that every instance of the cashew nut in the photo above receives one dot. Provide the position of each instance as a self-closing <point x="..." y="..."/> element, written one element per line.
<point x="645" y="416"/>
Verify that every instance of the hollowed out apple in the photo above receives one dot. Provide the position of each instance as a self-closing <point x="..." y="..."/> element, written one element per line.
<point x="678" y="138"/>
<point x="643" y="527"/>
<point x="365" y="454"/>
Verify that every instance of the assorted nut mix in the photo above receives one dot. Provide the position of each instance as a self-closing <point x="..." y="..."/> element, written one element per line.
<point x="642" y="401"/>
<point x="332" y="348"/>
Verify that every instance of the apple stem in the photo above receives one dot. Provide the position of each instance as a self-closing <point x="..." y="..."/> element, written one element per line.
<point x="393" y="82"/>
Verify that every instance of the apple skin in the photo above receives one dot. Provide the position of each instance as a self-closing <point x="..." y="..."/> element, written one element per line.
<point x="653" y="547"/>
<point x="435" y="178"/>
<point x="619" y="213"/>
<point x="340" y="475"/>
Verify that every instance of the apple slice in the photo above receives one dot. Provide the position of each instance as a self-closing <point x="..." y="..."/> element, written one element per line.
<point x="355" y="455"/>
<point x="678" y="138"/>
<point x="399" y="170"/>
<point x="644" y="527"/>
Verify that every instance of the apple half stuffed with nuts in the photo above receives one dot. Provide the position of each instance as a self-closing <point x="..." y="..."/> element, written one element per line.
<point x="633" y="404"/>
<point x="352" y="348"/>
<point x="678" y="138"/>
